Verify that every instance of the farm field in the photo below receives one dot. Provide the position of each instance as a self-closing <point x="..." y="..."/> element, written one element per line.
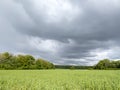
<point x="59" y="79"/>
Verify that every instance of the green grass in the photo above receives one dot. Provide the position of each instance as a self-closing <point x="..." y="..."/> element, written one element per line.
<point x="59" y="80"/>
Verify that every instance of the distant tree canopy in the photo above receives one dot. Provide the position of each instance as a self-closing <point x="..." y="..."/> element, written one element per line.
<point x="107" y="64"/>
<point x="9" y="61"/>
<point x="72" y="67"/>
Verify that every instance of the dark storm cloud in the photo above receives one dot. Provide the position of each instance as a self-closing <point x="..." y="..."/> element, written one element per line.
<point x="65" y="29"/>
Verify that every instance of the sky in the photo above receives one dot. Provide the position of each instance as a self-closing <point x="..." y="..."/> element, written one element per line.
<point x="69" y="32"/>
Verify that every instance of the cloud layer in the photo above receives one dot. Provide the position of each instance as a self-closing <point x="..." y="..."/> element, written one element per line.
<point x="78" y="32"/>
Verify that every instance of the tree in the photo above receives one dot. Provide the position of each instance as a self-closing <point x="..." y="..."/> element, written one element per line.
<point x="103" y="64"/>
<point x="9" y="61"/>
<point x="4" y="57"/>
<point x="6" y="60"/>
<point x="25" y="61"/>
<point x="43" y="64"/>
<point x="39" y="64"/>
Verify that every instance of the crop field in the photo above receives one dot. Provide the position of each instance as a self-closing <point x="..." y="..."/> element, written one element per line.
<point x="59" y="80"/>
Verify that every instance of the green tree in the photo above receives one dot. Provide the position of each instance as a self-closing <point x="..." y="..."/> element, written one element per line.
<point x="6" y="60"/>
<point x="4" y="57"/>
<point x="43" y="64"/>
<point x="25" y="61"/>
<point x="103" y="64"/>
<point x="39" y="64"/>
<point x="9" y="61"/>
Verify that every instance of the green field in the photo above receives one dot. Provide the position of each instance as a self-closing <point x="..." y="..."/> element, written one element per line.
<point x="59" y="80"/>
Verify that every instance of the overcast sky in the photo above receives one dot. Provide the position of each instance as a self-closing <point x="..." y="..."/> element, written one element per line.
<point x="77" y="32"/>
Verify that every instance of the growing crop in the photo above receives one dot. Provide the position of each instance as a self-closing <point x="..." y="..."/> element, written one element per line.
<point x="59" y="80"/>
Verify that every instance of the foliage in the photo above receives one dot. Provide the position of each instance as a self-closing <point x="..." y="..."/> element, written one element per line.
<point x="9" y="61"/>
<point x="107" y="64"/>
<point x="42" y="64"/>
<point x="70" y="66"/>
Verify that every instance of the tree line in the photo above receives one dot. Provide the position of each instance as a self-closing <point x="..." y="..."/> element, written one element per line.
<point x="107" y="64"/>
<point x="9" y="61"/>
<point x="104" y="64"/>
<point x="72" y="67"/>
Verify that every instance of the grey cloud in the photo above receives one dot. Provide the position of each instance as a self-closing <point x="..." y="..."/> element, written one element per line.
<point x="92" y="24"/>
